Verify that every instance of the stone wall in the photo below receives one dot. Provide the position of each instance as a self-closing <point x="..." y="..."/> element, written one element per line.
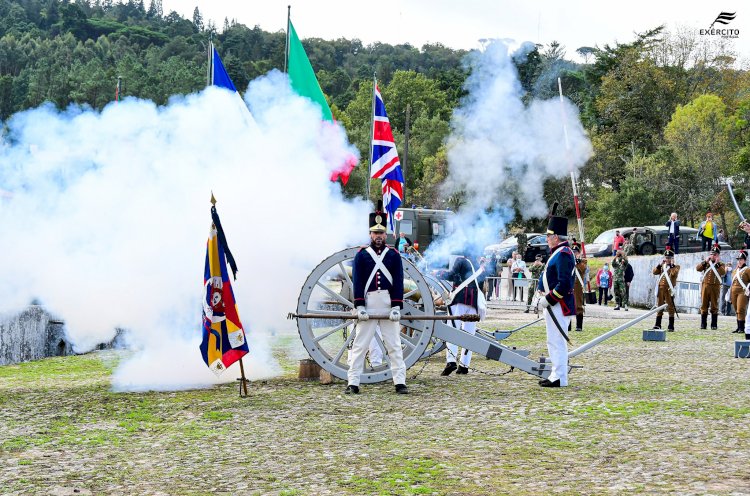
<point x="643" y="287"/>
<point x="31" y="335"/>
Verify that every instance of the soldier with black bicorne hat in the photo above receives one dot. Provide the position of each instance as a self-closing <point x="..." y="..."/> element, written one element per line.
<point x="667" y="272"/>
<point x="578" y="285"/>
<point x="739" y="292"/>
<point x="558" y="302"/>
<point x="713" y="272"/>
<point x="378" y="280"/>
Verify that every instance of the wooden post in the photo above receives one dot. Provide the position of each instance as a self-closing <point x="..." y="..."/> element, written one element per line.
<point x="243" y="381"/>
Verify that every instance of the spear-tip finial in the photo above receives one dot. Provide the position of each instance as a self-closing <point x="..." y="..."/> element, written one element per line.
<point x="213" y="199"/>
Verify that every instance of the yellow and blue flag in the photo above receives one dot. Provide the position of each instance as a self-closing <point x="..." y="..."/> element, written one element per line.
<point x="224" y="339"/>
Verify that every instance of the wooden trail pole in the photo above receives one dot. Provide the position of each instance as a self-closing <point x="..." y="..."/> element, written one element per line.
<point x="243" y="381"/>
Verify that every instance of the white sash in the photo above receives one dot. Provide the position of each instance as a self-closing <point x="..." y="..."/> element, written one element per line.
<point x="738" y="274"/>
<point x="465" y="283"/>
<point x="669" y="280"/>
<point x="713" y="268"/>
<point x="378" y="266"/>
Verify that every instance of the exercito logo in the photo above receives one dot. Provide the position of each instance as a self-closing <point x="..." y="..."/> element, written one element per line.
<point x="723" y="18"/>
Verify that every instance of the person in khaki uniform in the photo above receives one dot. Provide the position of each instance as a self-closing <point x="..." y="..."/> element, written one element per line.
<point x="580" y="273"/>
<point x="713" y="269"/>
<point x="739" y="291"/>
<point x="667" y="272"/>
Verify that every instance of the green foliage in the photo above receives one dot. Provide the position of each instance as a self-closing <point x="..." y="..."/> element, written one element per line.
<point x="633" y="205"/>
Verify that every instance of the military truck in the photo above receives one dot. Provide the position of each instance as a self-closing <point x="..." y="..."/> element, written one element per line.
<point x="420" y="225"/>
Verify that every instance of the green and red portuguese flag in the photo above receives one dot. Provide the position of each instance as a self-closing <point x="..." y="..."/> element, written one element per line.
<point x="304" y="83"/>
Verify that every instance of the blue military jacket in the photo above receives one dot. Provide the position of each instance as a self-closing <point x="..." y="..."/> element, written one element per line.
<point x="362" y="268"/>
<point x="559" y="273"/>
<point x="461" y="271"/>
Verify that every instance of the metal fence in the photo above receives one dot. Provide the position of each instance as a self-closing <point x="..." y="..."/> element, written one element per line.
<point x="509" y="291"/>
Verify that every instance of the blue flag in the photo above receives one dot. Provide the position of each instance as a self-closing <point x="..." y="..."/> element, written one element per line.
<point x="220" y="76"/>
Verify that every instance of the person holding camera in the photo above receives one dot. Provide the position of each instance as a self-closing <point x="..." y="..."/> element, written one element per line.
<point x="620" y="265"/>
<point x="674" y="232"/>
<point x="707" y="232"/>
<point x="713" y="271"/>
<point x="667" y="272"/>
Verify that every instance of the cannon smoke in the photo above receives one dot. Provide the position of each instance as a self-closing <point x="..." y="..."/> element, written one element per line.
<point x="501" y="150"/>
<point x="106" y="218"/>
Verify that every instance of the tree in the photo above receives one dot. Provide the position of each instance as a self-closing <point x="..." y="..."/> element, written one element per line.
<point x="198" y="19"/>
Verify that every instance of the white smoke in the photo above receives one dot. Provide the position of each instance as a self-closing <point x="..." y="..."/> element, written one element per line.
<point x="107" y="214"/>
<point x="500" y="150"/>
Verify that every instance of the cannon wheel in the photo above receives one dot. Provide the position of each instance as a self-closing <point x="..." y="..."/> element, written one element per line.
<point x="327" y="289"/>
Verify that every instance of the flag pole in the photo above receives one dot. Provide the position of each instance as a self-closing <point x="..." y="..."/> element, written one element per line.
<point x="372" y="135"/>
<point x="209" y="67"/>
<point x="570" y="166"/>
<point x="286" y="49"/>
<point x="242" y="379"/>
<point x="118" y="89"/>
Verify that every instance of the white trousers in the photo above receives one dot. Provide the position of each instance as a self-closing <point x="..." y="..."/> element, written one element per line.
<point x="557" y="347"/>
<point x="451" y="353"/>
<point x="375" y="352"/>
<point x="391" y="335"/>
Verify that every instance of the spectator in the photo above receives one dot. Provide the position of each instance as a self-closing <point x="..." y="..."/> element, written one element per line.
<point x="620" y="264"/>
<point x="617" y="243"/>
<point x="509" y="263"/>
<point x="536" y="270"/>
<point x="518" y="271"/>
<point x="604" y="281"/>
<point x="746" y="227"/>
<point x="721" y="237"/>
<point x="628" y="248"/>
<point x="490" y="269"/>
<point x="403" y="242"/>
<point x="707" y="232"/>
<point x="674" y="232"/>
<point x="629" y="275"/>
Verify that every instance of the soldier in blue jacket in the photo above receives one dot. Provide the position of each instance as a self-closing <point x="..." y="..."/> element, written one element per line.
<point x="465" y="302"/>
<point x="558" y="302"/>
<point x="378" y="279"/>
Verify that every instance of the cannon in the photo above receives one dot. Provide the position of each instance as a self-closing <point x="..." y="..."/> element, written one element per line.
<point x="327" y="325"/>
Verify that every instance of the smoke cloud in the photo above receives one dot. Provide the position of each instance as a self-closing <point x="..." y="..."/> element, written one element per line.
<point x="106" y="214"/>
<point x="500" y="150"/>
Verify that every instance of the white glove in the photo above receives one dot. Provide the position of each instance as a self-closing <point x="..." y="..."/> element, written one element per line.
<point x="395" y="315"/>
<point x="362" y="314"/>
<point x="543" y="303"/>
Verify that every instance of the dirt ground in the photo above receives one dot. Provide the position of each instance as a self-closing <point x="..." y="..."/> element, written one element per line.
<point x="639" y="417"/>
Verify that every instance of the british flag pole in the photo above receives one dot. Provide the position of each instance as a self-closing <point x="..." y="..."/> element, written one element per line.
<point x="372" y="135"/>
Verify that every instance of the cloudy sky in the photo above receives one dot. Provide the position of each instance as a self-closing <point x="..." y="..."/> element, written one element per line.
<point x="461" y="24"/>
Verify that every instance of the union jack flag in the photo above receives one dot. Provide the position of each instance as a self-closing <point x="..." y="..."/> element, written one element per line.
<point x="385" y="163"/>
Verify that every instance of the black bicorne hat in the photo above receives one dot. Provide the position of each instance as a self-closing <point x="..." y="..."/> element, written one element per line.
<point x="668" y="253"/>
<point x="378" y="219"/>
<point x="716" y="248"/>
<point x="557" y="225"/>
<point x="742" y="255"/>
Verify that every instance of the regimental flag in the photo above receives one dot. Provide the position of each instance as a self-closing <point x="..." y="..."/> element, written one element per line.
<point x="385" y="163"/>
<point x="223" y="336"/>
<point x="304" y="83"/>
<point x="219" y="75"/>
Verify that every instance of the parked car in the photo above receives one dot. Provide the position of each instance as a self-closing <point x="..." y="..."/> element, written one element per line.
<point x="602" y="245"/>
<point x="536" y="244"/>
<point x="651" y="240"/>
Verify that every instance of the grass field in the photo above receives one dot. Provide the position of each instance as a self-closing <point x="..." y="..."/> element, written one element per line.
<point x="639" y="417"/>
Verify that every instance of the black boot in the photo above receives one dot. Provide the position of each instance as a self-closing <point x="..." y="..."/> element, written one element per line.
<point x="449" y="368"/>
<point x="670" y="326"/>
<point x="714" y="321"/>
<point x="704" y="319"/>
<point x="740" y="327"/>
<point x="579" y="322"/>
<point x="657" y="324"/>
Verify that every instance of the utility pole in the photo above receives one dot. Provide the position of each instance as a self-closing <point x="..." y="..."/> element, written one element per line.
<point x="406" y="152"/>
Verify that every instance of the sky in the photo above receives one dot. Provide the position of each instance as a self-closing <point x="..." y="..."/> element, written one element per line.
<point x="462" y="24"/>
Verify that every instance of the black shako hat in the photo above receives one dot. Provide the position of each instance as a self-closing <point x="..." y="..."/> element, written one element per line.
<point x="668" y="253"/>
<point x="557" y="225"/>
<point x="742" y="255"/>
<point x="378" y="219"/>
<point x="716" y="248"/>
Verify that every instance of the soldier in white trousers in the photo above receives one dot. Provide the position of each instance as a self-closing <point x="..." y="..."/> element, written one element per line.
<point x="378" y="279"/>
